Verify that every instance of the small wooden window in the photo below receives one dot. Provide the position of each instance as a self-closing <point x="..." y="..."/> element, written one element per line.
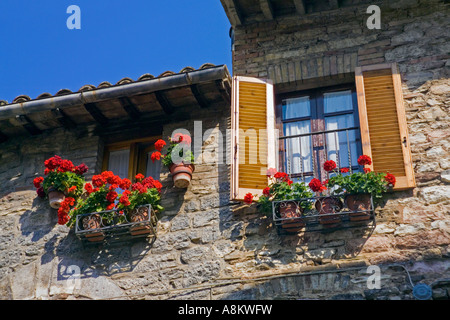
<point x="128" y="158"/>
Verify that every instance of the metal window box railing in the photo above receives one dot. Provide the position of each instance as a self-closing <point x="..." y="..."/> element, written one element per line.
<point x="107" y="227"/>
<point x="317" y="214"/>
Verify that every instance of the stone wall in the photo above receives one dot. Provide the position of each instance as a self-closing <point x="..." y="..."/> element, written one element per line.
<point x="210" y="248"/>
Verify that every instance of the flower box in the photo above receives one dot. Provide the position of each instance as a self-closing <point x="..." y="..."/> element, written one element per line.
<point x="322" y="213"/>
<point x="111" y="226"/>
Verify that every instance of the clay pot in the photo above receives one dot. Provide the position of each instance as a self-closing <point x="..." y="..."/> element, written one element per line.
<point x="359" y="205"/>
<point x="140" y="214"/>
<point x="291" y="210"/>
<point x="328" y="207"/>
<point x="181" y="174"/>
<point x="55" y="198"/>
<point x="92" y="222"/>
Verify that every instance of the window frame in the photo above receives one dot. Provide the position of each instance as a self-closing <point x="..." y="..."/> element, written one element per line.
<point x="317" y="114"/>
<point x="137" y="161"/>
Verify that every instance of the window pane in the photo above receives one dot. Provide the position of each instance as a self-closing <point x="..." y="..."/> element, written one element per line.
<point x="296" y="108"/>
<point x="153" y="168"/>
<point x="298" y="150"/>
<point x="339" y="149"/>
<point x="337" y="101"/>
<point x="119" y="162"/>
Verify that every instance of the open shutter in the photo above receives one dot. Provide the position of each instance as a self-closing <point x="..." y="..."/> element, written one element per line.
<point x="384" y="132"/>
<point x="253" y="136"/>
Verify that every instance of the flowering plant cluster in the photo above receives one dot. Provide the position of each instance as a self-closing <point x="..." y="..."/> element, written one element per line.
<point x="179" y="150"/>
<point x="280" y="188"/>
<point x="61" y="175"/>
<point x="108" y="192"/>
<point x="374" y="183"/>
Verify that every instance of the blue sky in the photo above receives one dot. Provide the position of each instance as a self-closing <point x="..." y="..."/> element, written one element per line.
<point x="117" y="39"/>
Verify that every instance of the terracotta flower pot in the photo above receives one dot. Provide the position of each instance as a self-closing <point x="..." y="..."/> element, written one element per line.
<point x="328" y="207"/>
<point x="92" y="222"/>
<point x="291" y="210"/>
<point x="181" y="174"/>
<point x="140" y="214"/>
<point x="359" y="205"/>
<point x="55" y="198"/>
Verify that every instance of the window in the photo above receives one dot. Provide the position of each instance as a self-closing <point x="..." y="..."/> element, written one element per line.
<point x="318" y="125"/>
<point x="338" y="123"/>
<point x="126" y="159"/>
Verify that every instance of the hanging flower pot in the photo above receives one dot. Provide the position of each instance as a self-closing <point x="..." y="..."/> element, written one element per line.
<point x="140" y="214"/>
<point x="55" y="198"/>
<point x="359" y="205"/>
<point x="181" y="174"/>
<point x="93" y="222"/>
<point x="327" y="208"/>
<point x="293" y="215"/>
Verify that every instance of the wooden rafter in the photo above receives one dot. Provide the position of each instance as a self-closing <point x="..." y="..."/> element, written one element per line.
<point x="96" y="113"/>
<point x="300" y="6"/>
<point x="234" y="14"/>
<point x="199" y="96"/>
<point x="130" y="108"/>
<point x="63" y="118"/>
<point x="267" y="9"/>
<point x="28" y="125"/>
<point x="164" y="102"/>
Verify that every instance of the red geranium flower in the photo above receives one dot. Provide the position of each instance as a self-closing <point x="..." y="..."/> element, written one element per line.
<point x="111" y="196"/>
<point x="329" y="165"/>
<point x="125" y="184"/>
<point x="66" y="166"/>
<point x="344" y="170"/>
<point x="266" y="191"/>
<point x="155" y="156"/>
<point x="367" y="170"/>
<point x="40" y="192"/>
<point x="316" y="185"/>
<point x="139" y="177"/>
<point x="53" y="162"/>
<point x="248" y="198"/>
<point x="88" y="187"/>
<point x="364" y="160"/>
<point x="98" y="180"/>
<point x="81" y="169"/>
<point x="159" y="144"/>
<point x="37" y="182"/>
<point x="390" y="178"/>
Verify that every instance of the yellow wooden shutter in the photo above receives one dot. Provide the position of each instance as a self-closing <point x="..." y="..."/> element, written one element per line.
<point x="384" y="132"/>
<point x="253" y="136"/>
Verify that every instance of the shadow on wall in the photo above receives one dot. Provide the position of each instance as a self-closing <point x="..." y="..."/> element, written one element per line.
<point x="39" y="228"/>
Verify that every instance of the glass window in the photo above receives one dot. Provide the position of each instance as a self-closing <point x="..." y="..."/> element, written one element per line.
<point x="319" y="125"/>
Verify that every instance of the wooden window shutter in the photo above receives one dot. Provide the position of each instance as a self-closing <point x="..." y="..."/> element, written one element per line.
<point x="384" y="132"/>
<point x="253" y="136"/>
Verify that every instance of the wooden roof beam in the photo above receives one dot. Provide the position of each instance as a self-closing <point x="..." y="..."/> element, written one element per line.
<point x="164" y="102"/>
<point x="267" y="9"/>
<point x="28" y="125"/>
<point x="63" y="118"/>
<point x="234" y="14"/>
<point x="130" y="108"/>
<point x="199" y="96"/>
<point x="96" y="113"/>
<point x="300" y="6"/>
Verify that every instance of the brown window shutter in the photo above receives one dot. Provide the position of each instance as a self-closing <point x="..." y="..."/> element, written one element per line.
<point x="253" y="136"/>
<point x="384" y="132"/>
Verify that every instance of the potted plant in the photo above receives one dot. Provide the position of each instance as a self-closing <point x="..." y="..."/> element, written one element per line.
<point x="289" y="198"/>
<point x="62" y="179"/>
<point x="97" y="205"/>
<point x="134" y="202"/>
<point x="359" y="188"/>
<point x="178" y="158"/>
<point x="326" y="205"/>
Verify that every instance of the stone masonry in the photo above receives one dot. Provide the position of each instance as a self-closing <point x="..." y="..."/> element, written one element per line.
<point x="208" y="247"/>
